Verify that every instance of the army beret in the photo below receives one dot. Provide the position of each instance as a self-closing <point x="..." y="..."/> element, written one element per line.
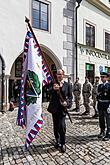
<point x="104" y="74"/>
<point x="97" y="77"/>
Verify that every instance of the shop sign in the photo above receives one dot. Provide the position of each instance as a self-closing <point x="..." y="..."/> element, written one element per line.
<point x="95" y="53"/>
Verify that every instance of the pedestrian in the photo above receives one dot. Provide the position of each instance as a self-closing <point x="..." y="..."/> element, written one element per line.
<point x="77" y="94"/>
<point x="15" y="91"/>
<point x="57" y="108"/>
<point x="87" y="93"/>
<point x="70" y="82"/>
<point x="103" y="106"/>
<point x="11" y="105"/>
<point x="94" y="95"/>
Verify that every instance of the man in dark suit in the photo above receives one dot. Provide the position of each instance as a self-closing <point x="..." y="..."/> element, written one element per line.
<point x="59" y="114"/>
<point x="103" y="106"/>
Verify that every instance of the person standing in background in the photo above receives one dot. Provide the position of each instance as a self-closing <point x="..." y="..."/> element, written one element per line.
<point x="15" y="91"/>
<point x="77" y="94"/>
<point x="94" y="95"/>
<point x="70" y="82"/>
<point x="87" y="93"/>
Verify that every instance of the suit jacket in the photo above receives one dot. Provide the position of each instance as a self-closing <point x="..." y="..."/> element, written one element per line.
<point x="55" y="105"/>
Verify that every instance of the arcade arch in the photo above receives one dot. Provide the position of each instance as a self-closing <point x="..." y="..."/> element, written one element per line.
<point x="16" y="70"/>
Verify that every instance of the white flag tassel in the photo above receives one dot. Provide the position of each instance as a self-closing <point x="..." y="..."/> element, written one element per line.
<point x="33" y="98"/>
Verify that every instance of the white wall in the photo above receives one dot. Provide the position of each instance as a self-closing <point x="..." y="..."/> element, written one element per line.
<point x="100" y="20"/>
<point x="89" y="13"/>
<point x="13" y="30"/>
<point x="54" y="39"/>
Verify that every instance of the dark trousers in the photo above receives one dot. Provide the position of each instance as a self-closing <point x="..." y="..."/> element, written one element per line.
<point x="104" y="117"/>
<point x="59" y="127"/>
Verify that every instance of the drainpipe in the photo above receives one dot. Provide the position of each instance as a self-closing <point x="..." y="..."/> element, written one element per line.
<point x="3" y="77"/>
<point x="76" y="44"/>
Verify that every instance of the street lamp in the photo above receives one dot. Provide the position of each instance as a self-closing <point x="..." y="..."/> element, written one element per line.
<point x="78" y="1"/>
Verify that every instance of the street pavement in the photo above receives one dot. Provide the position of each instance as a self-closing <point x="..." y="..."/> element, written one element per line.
<point x="82" y="145"/>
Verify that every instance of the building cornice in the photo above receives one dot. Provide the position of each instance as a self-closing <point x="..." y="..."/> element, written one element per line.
<point x="101" y="6"/>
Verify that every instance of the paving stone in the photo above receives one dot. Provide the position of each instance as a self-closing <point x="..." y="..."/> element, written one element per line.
<point x="79" y="162"/>
<point x="18" y="161"/>
<point x="32" y="163"/>
<point x="95" y="160"/>
<point x="24" y="160"/>
<point x="6" y="163"/>
<point x="29" y="158"/>
<point x="26" y="163"/>
<point x="51" y="163"/>
<point x="83" y="146"/>
<point x="12" y="162"/>
<point x="89" y="163"/>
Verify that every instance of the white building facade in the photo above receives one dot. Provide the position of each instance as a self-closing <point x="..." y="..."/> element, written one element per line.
<point x="49" y="21"/>
<point x="93" y="38"/>
<point x="53" y="23"/>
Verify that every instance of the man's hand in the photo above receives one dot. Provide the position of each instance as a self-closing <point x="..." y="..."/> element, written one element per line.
<point x="64" y="103"/>
<point x="96" y="106"/>
<point x="108" y="109"/>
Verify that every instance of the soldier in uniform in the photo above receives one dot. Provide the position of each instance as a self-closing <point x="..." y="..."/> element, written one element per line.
<point x="103" y="106"/>
<point x="77" y="94"/>
<point x="94" y="95"/>
<point x="86" y="92"/>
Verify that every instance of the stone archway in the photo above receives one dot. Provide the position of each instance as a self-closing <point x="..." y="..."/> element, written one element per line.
<point x="15" y="79"/>
<point x="15" y="76"/>
<point x="51" y="57"/>
<point x="53" y="64"/>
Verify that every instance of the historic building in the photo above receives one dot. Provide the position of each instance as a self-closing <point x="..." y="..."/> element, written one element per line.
<point x="54" y="24"/>
<point x="93" y="38"/>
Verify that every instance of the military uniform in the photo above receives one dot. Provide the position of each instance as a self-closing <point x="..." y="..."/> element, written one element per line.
<point x="77" y="95"/>
<point x="87" y="92"/>
<point x="94" y="95"/>
<point x="103" y="98"/>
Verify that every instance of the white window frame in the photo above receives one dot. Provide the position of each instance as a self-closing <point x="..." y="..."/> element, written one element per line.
<point x="85" y="21"/>
<point x="105" y="31"/>
<point x="49" y="15"/>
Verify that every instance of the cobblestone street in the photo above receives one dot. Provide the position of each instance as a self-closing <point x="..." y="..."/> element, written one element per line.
<point x="83" y="146"/>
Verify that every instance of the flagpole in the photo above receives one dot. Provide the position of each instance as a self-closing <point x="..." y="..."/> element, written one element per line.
<point x="27" y="21"/>
<point x="61" y="98"/>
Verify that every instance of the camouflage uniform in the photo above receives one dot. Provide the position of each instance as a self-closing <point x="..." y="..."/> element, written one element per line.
<point x="77" y="93"/>
<point x="87" y="92"/>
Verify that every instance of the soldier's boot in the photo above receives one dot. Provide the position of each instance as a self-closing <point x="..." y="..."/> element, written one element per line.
<point x="95" y="116"/>
<point x="77" y="109"/>
<point x="74" y="109"/>
<point x="101" y="135"/>
<point x="57" y="144"/>
<point x="63" y="148"/>
<point x="106" y="137"/>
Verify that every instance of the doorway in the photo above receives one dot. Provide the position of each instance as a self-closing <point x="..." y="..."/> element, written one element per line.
<point x="90" y="72"/>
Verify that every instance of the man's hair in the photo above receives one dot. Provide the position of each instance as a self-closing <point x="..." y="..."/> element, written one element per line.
<point x="61" y="70"/>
